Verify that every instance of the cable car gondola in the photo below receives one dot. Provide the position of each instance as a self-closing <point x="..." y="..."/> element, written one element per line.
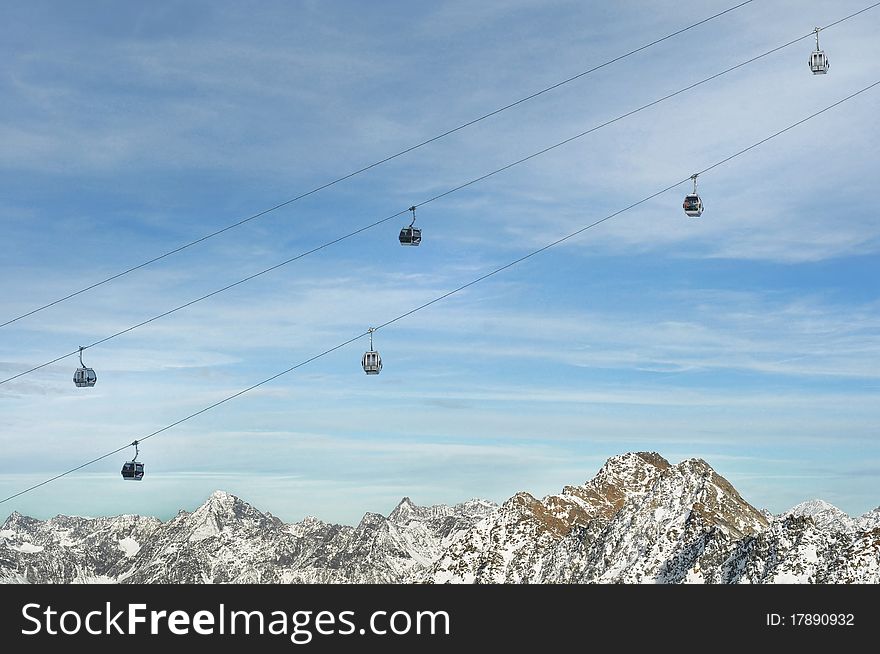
<point x="818" y="59"/>
<point x="371" y="361"/>
<point x="411" y="235"/>
<point x="693" y="205"/>
<point x="133" y="470"/>
<point x="84" y="376"/>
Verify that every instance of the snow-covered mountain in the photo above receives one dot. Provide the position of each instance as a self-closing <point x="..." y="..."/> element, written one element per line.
<point x="823" y="514"/>
<point x="640" y="519"/>
<point x="868" y="521"/>
<point x="226" y="540"/>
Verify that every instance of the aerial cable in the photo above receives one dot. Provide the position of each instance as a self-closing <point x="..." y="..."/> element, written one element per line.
<point x="427" y="201"/>
<point x="206" y="296"/>
<point x="487" y="275"/>
<point x="372" y="165"/>
<point x="620" y="211"/>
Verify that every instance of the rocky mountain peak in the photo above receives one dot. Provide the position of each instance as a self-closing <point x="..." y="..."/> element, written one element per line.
<point x="679" y="524"/>
<point x="813" y="507"/>
<point x="404" y="511"/>
<point x="621" y="477"/>
<point x="222" y="513"/>
<point x="221" y="502"/>
<point x="311" y="520"/>
<point x="407" y="511"/>
<point x="308" y="527"/>
<point x="870" y="520"/>
<point x="371" y="521"/>
<point x="523" y="507"/>
<point x="633" y="469"/>
<point x="714" y="500"/>
<point x="823" y="514"/>
<point x="475" y="507"/>
<point x="16" y="522"/>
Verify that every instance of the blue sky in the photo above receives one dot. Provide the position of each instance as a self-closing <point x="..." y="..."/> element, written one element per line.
<point x="749" y="337"/>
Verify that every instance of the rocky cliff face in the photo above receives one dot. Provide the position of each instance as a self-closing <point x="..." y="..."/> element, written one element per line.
<point x="640" y="519"/>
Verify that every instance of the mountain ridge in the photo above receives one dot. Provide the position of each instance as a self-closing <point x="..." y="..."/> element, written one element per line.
<point x="639" y="519"/>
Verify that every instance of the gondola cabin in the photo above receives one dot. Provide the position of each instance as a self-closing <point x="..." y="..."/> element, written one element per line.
<point x="693" y="205"/>
<point x="818" y="59"/>
<point x="410" y="236"/>
<point x="371" y="362"/>
<point x="84" y="377"/>
<point x="819" y="62"/>
<point x="132" y="471"/>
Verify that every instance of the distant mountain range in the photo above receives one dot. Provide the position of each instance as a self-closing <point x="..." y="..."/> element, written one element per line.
<point x="639" y="520"/>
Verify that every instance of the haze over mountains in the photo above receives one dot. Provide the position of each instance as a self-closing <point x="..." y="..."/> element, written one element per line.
<point x="640" y="519"/>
